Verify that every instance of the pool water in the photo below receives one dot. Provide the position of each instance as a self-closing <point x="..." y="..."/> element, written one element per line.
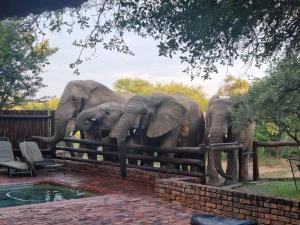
<point x="24" y="194"/>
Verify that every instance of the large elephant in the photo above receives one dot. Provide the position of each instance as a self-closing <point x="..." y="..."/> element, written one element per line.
<point x="77" y="96"/>
<point x="220" y="130"/>
<point x="100" y="120"/>
<point x="161" y="120"/>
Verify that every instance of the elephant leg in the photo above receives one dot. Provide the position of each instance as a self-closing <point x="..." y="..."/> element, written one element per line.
<point x="200" y="168"/>
<point x="147" y="162"/>
<point x="170" y="140"/>
<point x="147" y="142"/>
<point x="109" y="157"/>
<point x="79" y="154"/>
<point x="183" y="167"/>
<point x="92" y="137"/>
<point x="232" y="167"/>
<point x="106" y="150"/>
<point x="68" y="144"/>
<point x="132" y="141"/>
<point x="213" y="178"/>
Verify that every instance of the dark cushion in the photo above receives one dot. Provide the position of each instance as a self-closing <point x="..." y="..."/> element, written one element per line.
<point x="206" y="219"/>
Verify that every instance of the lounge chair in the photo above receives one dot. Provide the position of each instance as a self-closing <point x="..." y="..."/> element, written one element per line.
<point x="33" y="156"/>
<point x="7" y="160"/>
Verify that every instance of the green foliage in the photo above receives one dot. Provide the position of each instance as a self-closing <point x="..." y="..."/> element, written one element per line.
<point x="276" y="97"/>
<point x="204" y="33"/>
<point x="233" y="86"/>
<point x="136" y="86"/>
<point x="43" y="104"/>
<point x="143" y="87"/>
<point x="267" y="131"/>
<point x="21" y="62"/>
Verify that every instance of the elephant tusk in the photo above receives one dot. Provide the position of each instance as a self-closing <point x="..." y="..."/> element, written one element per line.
<point x="133" y="131"/>
<point x="209" y="135"/>
<point x="92" y="119"/>
<point x="71" y="133"/>
<point x="226" y="135"/>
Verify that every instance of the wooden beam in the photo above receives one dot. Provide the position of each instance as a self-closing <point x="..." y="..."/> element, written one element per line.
<point x="178" y="161"/>
<point x="241" y="165"/>
<point x="255" y="162"/>
<point x="276" y="143"/>
<point x="25" y="116"/>
<point x="153" y="169"/>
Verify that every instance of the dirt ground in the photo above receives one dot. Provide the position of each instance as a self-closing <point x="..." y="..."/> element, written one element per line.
<point x="276" y="169"/>
<point x="271" y="168"/>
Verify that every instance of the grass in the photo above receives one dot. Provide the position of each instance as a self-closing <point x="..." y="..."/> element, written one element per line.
<point x="274" y="188"/>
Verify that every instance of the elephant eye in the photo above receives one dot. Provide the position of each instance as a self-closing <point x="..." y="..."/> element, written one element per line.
<point x="107" y="113"/>
<point x="144" y="113"/>
<point x="74" y="99"/>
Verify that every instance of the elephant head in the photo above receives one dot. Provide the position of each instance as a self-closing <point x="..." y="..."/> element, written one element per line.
<point x="77" y="96"/>
<point x="99" y="118"/>
<point x="153" y="115"/>
<point x="220" y="130"/>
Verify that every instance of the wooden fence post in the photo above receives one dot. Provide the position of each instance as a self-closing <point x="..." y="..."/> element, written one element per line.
<point x="255" y="162"/>
<point x="52" y="130"/>
<point x="241" y="165"/>
<point x="202" y="166"/>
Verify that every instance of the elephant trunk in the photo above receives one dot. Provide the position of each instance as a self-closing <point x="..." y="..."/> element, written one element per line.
<point x="85" y="120"/>
<point x="120" y="132"/>
<point x="61" y="122"/>
<point x="218" y="138"/>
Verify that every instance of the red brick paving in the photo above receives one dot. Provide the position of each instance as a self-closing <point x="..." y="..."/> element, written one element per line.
<point x="124" y="202"/>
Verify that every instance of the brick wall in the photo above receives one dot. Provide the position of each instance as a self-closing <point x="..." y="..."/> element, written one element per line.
<point x="135" y="175"/>
<point x="190" y="193"/>
<point x="231" y="203"/>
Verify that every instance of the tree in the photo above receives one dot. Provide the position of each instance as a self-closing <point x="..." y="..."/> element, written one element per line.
<point x="142" y="87"/>
<point x="21" y="62"/>
<point x="136" y="86"/>
<point x="233" y="86"/>
<point x="204" y="32"/>
<point x="46" y="103"/>
<point x="276" y="97"/>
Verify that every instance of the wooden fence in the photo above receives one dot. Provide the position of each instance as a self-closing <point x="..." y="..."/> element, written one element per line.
<point x="21" y="125"/>
<point x="257" y="144"/>
<point x="194" y="156"/>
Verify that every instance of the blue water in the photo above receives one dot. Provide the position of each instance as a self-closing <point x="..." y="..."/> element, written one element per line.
<point x="24" y="194"/>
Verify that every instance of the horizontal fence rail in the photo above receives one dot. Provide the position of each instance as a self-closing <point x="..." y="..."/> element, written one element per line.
<point x="202" y="149"/>
<point x="193" y="156"/>
<point x="257" y="144"/>
<point x="25" y="117"/>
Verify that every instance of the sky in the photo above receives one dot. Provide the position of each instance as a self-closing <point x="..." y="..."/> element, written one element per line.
<point x="108" y="66"/>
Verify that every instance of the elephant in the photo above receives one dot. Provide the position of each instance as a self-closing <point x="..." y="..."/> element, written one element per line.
<point x="79" y="95"/>
<point x="219" y="129"/>
<point x="100" y="120"/>
<point x="161" y="120"/>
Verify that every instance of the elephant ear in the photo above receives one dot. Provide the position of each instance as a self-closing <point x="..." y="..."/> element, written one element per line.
<point x="168" y="116"/>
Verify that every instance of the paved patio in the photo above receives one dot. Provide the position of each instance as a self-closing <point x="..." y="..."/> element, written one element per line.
<point x="123" y="202"/>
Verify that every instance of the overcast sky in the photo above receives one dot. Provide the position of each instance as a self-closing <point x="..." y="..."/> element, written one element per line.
<point x="109" y="66"/>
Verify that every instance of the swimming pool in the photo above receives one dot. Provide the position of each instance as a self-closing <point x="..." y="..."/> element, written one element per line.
<point x="14" y="195"/>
